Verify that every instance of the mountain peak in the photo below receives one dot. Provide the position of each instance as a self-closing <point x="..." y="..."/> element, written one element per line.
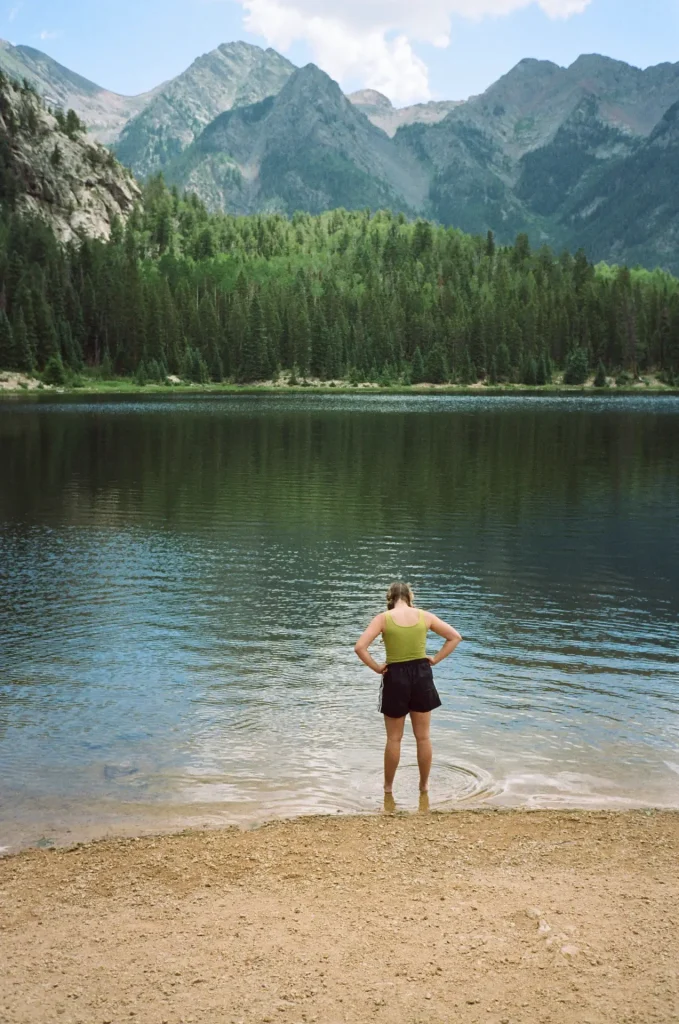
<point x="239" y="46"/>
<point x="590" y="62"/>
<point x="371" y="98"/>
<point x="310" y="81"/>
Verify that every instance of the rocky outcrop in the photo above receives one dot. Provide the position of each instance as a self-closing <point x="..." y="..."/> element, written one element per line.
<point x="50" y="168"/>
<point x="380" y="110"/>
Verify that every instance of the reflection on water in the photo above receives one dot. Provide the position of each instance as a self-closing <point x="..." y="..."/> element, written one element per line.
<point x="182" y="582"/>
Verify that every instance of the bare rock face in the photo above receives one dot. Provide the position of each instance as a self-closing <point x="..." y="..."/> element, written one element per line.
<point x="50" y="168"/>
<point x="380" y="110"/>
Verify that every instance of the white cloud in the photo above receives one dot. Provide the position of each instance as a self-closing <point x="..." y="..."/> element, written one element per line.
<point x="46" y="34"/>
<point x="13" y="11"/>
<point x="371" y="40"/>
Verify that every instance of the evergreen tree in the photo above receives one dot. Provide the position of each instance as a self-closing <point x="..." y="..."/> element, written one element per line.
<point x="8" y="357"/>
<point x="436" y="369"/>
<point x="254" y="358"/>
<point x="502" y="362"/>
<point x="466" y="372"/>
<point x="490" y="245"/>
<point x="529" y="373"/>
<point x="600" y="379"/>
<point x="54" y="372"/>
<point x="418" y="373"/>
<point x="23" y="355"/>
<point x="577" y="369"/>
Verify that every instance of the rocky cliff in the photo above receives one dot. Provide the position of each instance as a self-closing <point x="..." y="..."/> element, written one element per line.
<point x="49" y="167"/>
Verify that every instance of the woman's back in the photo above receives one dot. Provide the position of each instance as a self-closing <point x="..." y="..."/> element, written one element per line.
<point x="405" y="634"/>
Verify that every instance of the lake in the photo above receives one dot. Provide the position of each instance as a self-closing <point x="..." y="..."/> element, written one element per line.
<point x="182" y="581"/>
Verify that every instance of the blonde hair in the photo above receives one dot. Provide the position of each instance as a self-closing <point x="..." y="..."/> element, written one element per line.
<point x="399" y="592"/>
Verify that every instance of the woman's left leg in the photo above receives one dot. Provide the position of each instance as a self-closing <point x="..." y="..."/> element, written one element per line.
<point x="421" y="725"/>
<point x="392" y="751"/>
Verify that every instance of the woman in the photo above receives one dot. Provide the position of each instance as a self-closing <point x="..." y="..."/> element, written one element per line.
<point x="407" y="680"/>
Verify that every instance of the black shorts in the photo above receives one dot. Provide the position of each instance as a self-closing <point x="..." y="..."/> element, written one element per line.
<point x="408" y="686"/>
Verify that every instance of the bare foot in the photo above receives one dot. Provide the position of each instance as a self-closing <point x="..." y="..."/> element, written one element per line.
<point x="424" y="802"/>
<point x="389" y="803"/>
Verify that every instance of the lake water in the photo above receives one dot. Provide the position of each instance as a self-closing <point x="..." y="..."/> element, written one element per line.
<point x="182" y="581"/>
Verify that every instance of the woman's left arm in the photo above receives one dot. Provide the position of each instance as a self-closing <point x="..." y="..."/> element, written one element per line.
<point x="364" y="642"/>
<point x="449" y="634"/>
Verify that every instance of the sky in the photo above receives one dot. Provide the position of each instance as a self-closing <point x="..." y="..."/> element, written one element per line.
<point x="412" y="50"/>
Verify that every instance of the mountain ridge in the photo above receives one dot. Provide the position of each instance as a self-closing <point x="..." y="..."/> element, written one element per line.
<point x="104" y="112"/>
<point x="544" y="150"/>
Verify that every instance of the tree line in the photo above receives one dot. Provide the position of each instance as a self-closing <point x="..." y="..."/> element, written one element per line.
<point x="352" y="295"/>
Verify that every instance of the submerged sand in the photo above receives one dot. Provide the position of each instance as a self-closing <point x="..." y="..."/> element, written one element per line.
<point x="488" y="916"/>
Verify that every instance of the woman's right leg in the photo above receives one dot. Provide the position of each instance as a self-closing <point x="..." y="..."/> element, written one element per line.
<point x="392" y="751"/>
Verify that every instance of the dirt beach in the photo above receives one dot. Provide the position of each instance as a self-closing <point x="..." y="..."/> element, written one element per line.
<point x="504" y="917"/>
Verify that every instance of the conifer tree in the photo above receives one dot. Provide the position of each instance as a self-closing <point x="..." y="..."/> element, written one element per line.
<point x="23" y="354"/>
<point x="502" y="362"/>
<point x="600" y="379"/>
<point x="529" y="373"/>
<point x="8" y="356"/>
<point x="436" y="369"/>
<point x="54" y="372"/>
<point x="466" y="372"/>
<point x="418" y="372"/>
<point x="576" y="367"/>
<point x="254" y="359"/>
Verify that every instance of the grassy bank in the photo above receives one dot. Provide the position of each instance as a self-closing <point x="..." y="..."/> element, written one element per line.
<point x="12" y="384"/>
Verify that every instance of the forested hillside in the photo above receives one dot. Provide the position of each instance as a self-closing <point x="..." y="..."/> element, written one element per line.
<point x="340" y="295"/>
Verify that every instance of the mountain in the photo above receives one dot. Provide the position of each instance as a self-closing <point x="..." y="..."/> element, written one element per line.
<point x="307" y="148"/>
<point x="631" y="213"/>
<point x="105" y="113"/>
<point x="518" y="157"/>
<point x="546" y="150"/>
<point x="233" y="75"/>
<point x="380" y="110"/>
<point x="49" y="168"/>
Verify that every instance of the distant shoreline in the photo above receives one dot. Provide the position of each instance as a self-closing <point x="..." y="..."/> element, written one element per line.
<point x="128" y="387"/>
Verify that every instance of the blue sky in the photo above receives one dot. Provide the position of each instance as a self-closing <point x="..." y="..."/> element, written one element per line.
<point x="411" y="49"/>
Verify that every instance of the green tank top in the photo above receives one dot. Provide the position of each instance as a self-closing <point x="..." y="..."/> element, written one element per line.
<point x="404" y="643"/>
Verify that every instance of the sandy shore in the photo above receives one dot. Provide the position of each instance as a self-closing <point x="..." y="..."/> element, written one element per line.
<point x="494" y="916"/>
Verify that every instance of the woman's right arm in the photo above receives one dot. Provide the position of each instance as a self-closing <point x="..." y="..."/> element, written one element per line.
<point x="364" y="642"/>
<point x="450" y="635"/>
